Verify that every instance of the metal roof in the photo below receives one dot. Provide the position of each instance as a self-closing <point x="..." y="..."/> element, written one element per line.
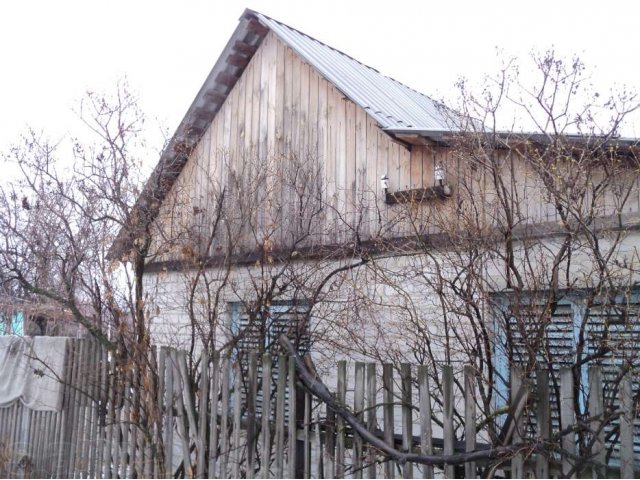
<point x="392" y="104"/>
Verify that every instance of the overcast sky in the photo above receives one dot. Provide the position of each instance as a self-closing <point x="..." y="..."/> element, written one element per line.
<point x="53" y="51"/>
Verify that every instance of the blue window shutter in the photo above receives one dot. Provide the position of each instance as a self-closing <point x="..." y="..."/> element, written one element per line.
<point x="579" y="311"/>
<point x="501" y="360"/>
<point x="612" y="321"/>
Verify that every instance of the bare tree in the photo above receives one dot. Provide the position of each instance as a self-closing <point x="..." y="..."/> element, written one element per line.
<point x="532" y="262"/>
<point x="60" y="219"/>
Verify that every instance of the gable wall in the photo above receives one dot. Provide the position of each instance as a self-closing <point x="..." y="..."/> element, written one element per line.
<point x="282" y="108"/>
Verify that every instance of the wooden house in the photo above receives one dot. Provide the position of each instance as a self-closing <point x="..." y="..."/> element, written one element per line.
<point x="296" y="165"/>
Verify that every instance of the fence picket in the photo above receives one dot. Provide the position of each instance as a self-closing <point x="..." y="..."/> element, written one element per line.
<point x="188" y="400"/>
<point x="110" y="470"/>
<point x="567" y="418"/>
<point x="426" y="435"/>
<point x="319" y="449"/>
<point x="266" y="414"/>
<point x="340" y="442"/>
<point x="96" y="423"/>
<point x="280" y="419"/>
<point x="52" y="446"/>
<point x="307" y="435"/>
<point x="152" y="422"/>
<point x="123" y="423"/>
<point x="293" y="447"/>
<point x="596" y="410"/>
<point x="86" y="376"/>
<point x="168" y="415"/>
<point x="134" y="413"/>
<point x="102" y="412"/>
<point x="330" y="445"/>
<point x="470" y="418"/>
<point x="358" y="406"/>
<point x="237" y="411"/>
<point x="543" y="420"/>
<point x="626" y="426"/>
<point x="371" y="417"/>
<point x="252" y="393"/>
<point x="213" y="420"/>
<point x="203" y="407"/>
<point x="183" y="433"/>
<point x="447" y="421"/>
<point x="517" y="462"/>
<point x="387" y="410"/>
<point x="224" y="419"/>
<point x="72" y="440"/>
<point x="407" y="417"/>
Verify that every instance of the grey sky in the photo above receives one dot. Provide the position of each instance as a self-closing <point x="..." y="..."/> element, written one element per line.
<point x="51" y="52"/>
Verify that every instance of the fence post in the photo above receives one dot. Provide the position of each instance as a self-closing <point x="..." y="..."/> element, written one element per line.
<point x="447" y="407"/>
<point x="470" y="417"/>
<point x="626" y="426"/>
<point x="567" y="419"/>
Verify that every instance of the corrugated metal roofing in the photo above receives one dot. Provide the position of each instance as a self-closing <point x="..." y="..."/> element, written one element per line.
<point x="394" y="105"/>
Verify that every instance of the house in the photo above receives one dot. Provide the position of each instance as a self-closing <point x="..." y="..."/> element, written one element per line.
<point x="307" y="193"/>
<point x="280" y="104"/>
<point x="28" y="318"/>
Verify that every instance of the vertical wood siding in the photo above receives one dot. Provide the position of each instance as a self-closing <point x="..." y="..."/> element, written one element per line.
<point x="280" y="109"/>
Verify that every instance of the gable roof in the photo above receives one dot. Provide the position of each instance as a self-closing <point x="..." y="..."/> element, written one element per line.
<point x="396" y="107"/>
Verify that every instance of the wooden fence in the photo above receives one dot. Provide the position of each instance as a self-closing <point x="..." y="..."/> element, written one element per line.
<point x="165" y="416"/>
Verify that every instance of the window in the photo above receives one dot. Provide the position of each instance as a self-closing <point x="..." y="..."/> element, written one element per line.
<point x="11" y="323"/>
<point x="260" y="332"/>
<point x="531" y="331"/>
